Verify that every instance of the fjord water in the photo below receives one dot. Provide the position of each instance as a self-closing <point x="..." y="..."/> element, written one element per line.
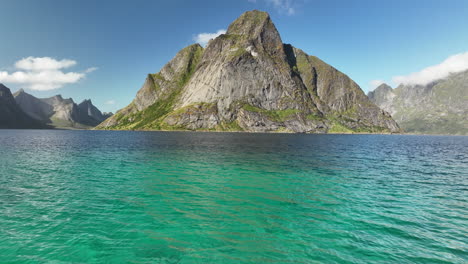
<point x="179" y="197"/>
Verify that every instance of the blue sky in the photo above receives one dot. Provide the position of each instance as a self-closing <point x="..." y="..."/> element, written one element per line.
<point x="111" y="46"/>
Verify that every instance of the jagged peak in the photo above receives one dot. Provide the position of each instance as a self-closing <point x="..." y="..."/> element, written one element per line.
<point x="59" y="98"/>
<point x="249" y="23"/>
<point x="253" y="32"/>
<point x="256" y="25"/>
<point x="21" y="92"/>
<point x="383" y="86"/>
<point x="2" y="86"/>
<point x="86" y="101"/>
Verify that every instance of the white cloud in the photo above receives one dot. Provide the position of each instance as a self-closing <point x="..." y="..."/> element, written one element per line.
<point x="91" y="69"/>
<point x="110" y="102"/>
<point x="282" y="6"/>
<point x="43" y="74"/>
<point x="203" y="38"/>
<point x="453" y="64"/>
<point x="375" y="83"/>
<point x="43" y="64"/>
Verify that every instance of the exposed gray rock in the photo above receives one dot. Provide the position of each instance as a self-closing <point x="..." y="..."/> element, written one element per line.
<point x="437" y="108"/>
<point x="11" y="115"/>
<point x="59" y="112"/>
<point x="247" y="79"/>
<point x="33" y="106"/>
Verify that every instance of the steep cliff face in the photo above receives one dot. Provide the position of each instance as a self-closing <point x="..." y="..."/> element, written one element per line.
<point x="383" y="97"/>
<point x="59" y="112"/>
<point x="33" y="106"/>
<point x="11" y="115"/>
<point x="248" y="80"/>
<point x="90" y="114"/>
<point x="437" y="108"/>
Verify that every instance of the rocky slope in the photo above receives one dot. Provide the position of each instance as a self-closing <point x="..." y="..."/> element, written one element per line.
<point x="59" y="112"/>
<point x="11" y="115"/>
<point x="87" y="109"/>
<point x="437" y="108"/>
<point x="248" y="80"/>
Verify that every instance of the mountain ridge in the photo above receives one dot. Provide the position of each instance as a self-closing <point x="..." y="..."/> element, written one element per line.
<point x="59" y="112"/>
<point x="11" y="115"/>
<point x="436" y="108"/>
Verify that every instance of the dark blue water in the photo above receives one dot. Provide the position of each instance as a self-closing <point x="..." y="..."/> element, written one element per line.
<point x="176" y="197"/>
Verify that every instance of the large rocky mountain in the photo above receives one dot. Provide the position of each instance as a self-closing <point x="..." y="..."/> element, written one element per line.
<point x="11" y="115"/>
<point x="59" y="112"/>
<point x="248" y="80"/>
<point x="440" y="107"/>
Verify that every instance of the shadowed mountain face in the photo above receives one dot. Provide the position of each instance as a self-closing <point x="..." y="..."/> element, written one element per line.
<point x="59" y="112"/>
<point x="248" y="80"/>
<point x="437" y="108"/>
<point x="11" y="115"/>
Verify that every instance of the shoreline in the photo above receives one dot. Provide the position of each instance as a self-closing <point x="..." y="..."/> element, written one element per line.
<point x="244" y="132"/>
<point x="282" y="132"/>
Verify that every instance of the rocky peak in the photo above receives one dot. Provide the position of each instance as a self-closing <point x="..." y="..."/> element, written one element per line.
<point x="21" y="93"/>
<point x="5" y="91"/>
<point x="255" y="30"/>
<point x="380" y="93"/>
<point x="253" y="24"/>
<point x="88" y="110"/>
<point x="384" y="87"/>
<point x="86" y="102"/>
<point x="11" y="115"/>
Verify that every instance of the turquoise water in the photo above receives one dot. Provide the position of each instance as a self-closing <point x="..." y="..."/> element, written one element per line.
<point x="157" y="197"/>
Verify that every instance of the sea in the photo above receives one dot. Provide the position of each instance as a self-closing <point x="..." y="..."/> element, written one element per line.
<point x="200" y="197"/>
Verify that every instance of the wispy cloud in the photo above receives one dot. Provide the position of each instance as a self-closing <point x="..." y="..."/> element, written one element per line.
<point x="43" y="73"/>
<point x="287" y="7"/>
<point x="89" y="70"/>
<point x="110" y="102"/>
<point x="453" y="64"/>
<point x="203" y="38"/>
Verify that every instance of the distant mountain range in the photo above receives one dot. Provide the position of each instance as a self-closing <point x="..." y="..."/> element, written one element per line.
<point x="249" y="80"/>
<point x="23" y="110"/>
<point x="11" y="115"/>
<point x="440" y="107"/>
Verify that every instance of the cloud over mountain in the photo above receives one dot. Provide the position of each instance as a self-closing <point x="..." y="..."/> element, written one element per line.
<point x="43" y="73"/>
<point x="453" y="64"/>
<point x="203" y="38"/>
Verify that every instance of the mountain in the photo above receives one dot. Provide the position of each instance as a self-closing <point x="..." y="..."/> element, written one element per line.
<point x="90" y="114"/>
<point x="437" y="108"/>
<point x="11" y="115"/>
<point x="90" y="110"/>
<point x="59" y="112"/>
<point x="248" y="80"/>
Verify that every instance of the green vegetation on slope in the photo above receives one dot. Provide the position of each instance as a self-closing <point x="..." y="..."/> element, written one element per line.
<point x="273" y="115"/>
<point x="152" y="116"/>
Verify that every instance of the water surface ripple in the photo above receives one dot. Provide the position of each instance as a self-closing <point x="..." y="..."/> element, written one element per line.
<point x="160" y="197"/>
